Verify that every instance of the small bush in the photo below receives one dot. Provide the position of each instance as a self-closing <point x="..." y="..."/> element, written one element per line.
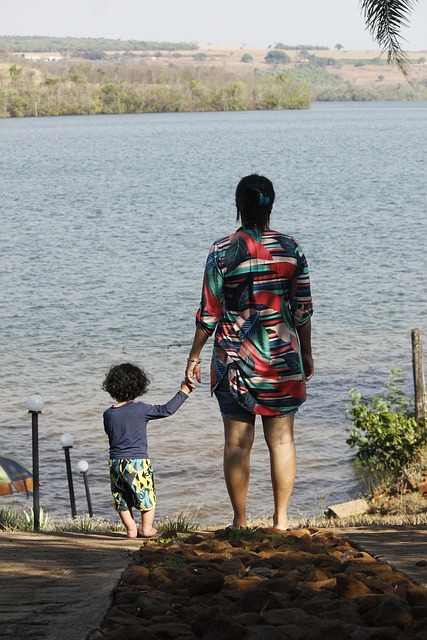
<point x="385" y="434"/>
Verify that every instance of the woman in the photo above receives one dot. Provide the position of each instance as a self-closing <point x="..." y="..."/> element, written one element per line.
<point x="256" y="298"/>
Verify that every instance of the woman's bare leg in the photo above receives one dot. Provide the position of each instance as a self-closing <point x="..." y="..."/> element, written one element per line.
<point x="279" y="436"/>
<point x="238" y="440"/>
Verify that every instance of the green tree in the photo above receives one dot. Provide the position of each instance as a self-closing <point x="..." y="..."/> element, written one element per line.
<point x="277" y="57"/>
<point x="384" y="19"/>
<point x="246" y="57"/>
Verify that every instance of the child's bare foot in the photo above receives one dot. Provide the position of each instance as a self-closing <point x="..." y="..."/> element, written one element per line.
<point x="149" y="532"/>
<point x="134" y="533"/>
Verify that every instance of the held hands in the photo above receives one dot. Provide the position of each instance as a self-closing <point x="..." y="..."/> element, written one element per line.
<point x="186" y="388"/>
<point x="192" y="372"/>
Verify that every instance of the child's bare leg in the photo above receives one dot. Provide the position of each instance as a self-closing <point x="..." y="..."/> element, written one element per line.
<point x="130" y="524"/>
<point x="147" y="519"/>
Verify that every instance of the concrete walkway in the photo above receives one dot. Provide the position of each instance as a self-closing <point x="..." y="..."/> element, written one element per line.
<point x="403" y="547"/>
<point x="58" y="585"/>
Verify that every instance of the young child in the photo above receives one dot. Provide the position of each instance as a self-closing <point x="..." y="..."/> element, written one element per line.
<point x="125" y="423"/>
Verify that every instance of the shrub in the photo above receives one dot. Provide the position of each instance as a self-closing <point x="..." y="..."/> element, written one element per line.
<point x="277" y="57"/>
<point x="385" y="434"/>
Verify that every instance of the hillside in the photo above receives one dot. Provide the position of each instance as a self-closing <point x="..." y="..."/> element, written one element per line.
<point x="100" y="79"/>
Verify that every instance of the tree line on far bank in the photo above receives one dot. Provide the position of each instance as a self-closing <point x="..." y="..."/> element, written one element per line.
<point x="69" y="87"/>
<point x="29" y="88"/>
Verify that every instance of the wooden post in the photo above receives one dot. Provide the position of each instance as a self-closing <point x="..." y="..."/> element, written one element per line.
<point x="418" y="370"/>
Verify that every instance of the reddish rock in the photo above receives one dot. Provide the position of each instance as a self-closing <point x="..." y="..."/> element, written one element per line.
<point x="258" y="601"/>
<point x="208" y="582"/>
<point x="154" y="610"/>
<point x="214" y="624"/>
<point x="330" y="584"/>
<point x="126" y="596"/>
<point x="213" y="546"/>
<point x="420" y="626"/>
<point x="276" y="617"/>
<point x="393" y="612"/>
<point x="281" y="584"/>
<point x="417" y="595"/>
<point x="368" y="566"/>
<point x="196" y="538"/>
<point x="369" y="602"/>
<point x="331" y="630"/>
<point x="317" y="575"/>
<point x="394" y="577"/>
<point x="233" y="566"/>
<point x="162" y="575"/>
<point x="350" y="587"/>
<point x="247" y="619"/>
<point x="248" y="582"/>
<point x="329" y="562"/>
<point x="135" y="575"/>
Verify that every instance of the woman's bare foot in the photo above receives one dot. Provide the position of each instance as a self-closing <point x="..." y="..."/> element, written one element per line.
<point x="282" y="525"/>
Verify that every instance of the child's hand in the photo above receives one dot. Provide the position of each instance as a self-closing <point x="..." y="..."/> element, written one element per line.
<point x="186" y="388"/>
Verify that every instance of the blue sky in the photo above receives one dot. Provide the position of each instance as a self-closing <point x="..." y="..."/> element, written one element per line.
<point x="220" y="22"/>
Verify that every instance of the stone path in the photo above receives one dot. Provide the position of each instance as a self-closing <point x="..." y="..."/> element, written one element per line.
<point x="58" y="586"/>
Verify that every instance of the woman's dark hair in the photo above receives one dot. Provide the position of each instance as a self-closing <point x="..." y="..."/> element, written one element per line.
<point x="254" y="200"/>
<point x="125" y="382"/>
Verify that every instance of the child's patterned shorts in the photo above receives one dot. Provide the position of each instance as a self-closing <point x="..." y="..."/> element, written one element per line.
<point x="132" y="484"/>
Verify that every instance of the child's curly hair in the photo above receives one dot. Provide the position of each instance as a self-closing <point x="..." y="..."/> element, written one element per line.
<point x="125" y="382"/>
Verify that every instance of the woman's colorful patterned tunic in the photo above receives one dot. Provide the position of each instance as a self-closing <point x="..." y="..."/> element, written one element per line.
<point x="256" y="290"/>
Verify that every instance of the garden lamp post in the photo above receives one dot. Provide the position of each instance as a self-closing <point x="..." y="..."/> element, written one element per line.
<point x="35" y="405"/>
<point x="67" y="441"/>
<point x="83" y="466"/>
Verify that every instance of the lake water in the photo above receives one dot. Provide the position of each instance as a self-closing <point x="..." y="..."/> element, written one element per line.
<point x="106" y="224"/>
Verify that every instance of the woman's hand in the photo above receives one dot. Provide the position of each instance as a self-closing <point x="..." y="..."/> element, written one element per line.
<point x="193" y="371"/>
<point x="308" y="365"/>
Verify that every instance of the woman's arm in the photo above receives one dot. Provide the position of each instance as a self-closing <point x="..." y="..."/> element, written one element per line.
<point x="193" y="362"/>
<point x="304" y="334"/>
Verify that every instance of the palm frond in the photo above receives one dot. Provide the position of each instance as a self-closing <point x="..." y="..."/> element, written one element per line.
<point x="384" y="19"/>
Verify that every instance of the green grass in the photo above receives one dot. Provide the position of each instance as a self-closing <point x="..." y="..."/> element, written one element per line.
<point x="12" y="520"/>
<point x="182" y="523"/>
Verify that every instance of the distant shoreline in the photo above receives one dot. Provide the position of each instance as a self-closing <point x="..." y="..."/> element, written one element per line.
<point x="203" y="79"/>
